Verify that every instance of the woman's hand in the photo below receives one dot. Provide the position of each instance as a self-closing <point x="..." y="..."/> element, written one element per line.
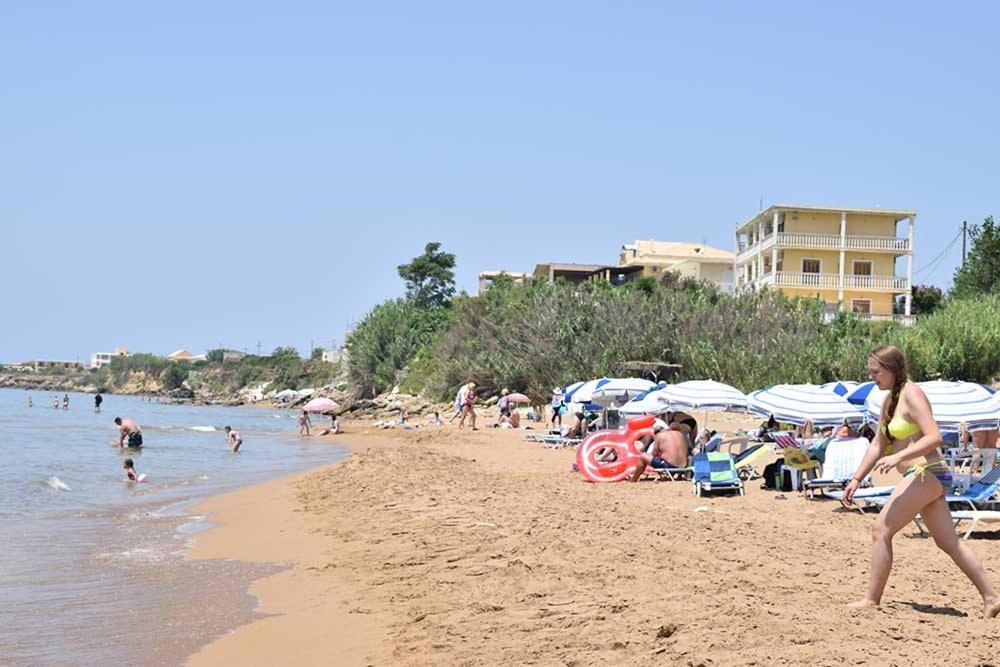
<point x="887" y="463"/>
<point x="849" y="490"/>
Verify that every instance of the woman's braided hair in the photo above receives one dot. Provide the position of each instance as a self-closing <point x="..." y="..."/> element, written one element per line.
<point x="891" y="358"/>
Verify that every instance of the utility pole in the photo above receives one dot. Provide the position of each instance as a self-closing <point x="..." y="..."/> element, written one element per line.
<point x="965" y="229"/>
<point x="258" y="348"/>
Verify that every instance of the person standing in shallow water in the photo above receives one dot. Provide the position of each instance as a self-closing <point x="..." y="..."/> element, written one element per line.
<point x="98" y="399"/>
<point x="908" y="439"/>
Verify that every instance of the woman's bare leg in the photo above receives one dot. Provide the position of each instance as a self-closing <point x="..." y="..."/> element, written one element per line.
<point x="909" y="497"/>
<point x="937" y="518"/>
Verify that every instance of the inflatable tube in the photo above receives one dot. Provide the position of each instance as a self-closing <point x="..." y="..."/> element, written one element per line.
<point x="645" y="421"/>
<point x="142" y="478"/>
<point x="622" y="442"/>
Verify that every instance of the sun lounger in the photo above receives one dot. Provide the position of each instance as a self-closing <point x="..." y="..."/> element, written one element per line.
<point x="552" y="441"/>
<point x="672" y="474"/>
<point x="842" y="460"/>
<point x="715" y="471"/>
<point x="971" y="503"/>
<point x="873" y="495"/>
<point x="744" y="461"/>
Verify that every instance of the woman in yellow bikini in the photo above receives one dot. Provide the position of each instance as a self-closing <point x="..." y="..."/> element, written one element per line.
<point x="908" y="440"/>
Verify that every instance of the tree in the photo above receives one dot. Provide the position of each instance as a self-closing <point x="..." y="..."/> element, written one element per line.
<point x="317" y="354"/>
<point x="981" y="272"/>
<point x="429" y="278"/>
<point x="925" y="299"/>
<point x="215" y="356"/>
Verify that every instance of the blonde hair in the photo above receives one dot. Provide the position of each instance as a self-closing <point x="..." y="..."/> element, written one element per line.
<point x="891" y="358"/>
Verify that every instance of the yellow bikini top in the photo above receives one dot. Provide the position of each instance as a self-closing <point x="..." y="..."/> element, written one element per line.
<point x="900" y="429"/>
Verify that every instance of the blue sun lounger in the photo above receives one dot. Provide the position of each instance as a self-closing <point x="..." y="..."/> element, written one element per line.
<point x="715" y="471"/>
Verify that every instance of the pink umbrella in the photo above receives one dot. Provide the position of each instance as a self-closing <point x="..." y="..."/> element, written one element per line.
<point x="518" y="398"/>
<point x="320" y="405"/>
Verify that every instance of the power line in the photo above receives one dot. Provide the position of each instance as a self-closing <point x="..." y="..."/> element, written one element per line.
<point x="939" y="257"/>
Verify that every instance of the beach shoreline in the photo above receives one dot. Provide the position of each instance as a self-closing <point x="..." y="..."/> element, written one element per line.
<point x="442" y="546"/>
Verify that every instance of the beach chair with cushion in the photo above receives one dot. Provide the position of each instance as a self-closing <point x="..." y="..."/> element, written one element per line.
<point x="971" y="505"/>
<point x="715" y="471"/>
<point x="842" y="459"/>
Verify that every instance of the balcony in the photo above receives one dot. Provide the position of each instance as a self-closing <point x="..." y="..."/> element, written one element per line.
<point x="897" y="245"/>
<point x="832" y="281"/>
<point x="904" y="320"/>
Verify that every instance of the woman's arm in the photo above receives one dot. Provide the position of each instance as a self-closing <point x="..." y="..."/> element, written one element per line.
<point x="872" y="456"/>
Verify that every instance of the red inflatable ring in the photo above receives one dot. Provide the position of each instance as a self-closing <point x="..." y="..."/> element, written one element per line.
<point x="621" y="442"/>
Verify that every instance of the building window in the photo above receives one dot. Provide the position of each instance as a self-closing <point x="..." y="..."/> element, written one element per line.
<point x="861" y="306"/>
<point x="812" y="265"/>
<point x="862" y="267"/>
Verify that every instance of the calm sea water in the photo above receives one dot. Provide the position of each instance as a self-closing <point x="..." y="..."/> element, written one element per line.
<point x="92" y="568"/>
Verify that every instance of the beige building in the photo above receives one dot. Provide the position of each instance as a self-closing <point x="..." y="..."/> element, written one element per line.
<point x="846" y="256"/>
<point x="690" y="260"/>
<point x="487" y="278"/>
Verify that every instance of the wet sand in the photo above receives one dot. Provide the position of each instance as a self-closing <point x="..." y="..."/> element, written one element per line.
<point x="448" y="546"/>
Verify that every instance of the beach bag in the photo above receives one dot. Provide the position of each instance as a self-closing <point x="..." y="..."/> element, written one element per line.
<point x="773" y="478"/>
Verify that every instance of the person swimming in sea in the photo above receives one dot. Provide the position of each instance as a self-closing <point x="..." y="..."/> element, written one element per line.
<point x="908" y="439"/>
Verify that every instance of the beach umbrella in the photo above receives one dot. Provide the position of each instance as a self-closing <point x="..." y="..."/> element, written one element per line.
<point x="704" y="395"/>
<point x="952" y="404"/>
<point x="617" y="391"/>
<point x="320" y="405"/>
<point x="649" y="402"/>
<point x="799" y="403"/>
<point x="860" y="393"/>
<point x="840" y="387"/>
<point x="570" y="388"/>
<point x="583" y="391"/>
<point x="518" y="398"/>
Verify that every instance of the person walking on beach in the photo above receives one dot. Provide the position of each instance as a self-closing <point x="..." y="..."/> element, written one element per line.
<point x="459" y="401"/>
<point x="98" y="399"/>
<point x="468" y="407"/>
<point x="304" y="423"/>
<point x="233" y="439"/>
<point x="30" y="404"/>
<point x="908" y="436"/>
<point x="130" y="431"/>
<point x="558" y="406"/>
<point x="65" y="401"/>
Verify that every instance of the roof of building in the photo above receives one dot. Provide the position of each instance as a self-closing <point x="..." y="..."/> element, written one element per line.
<point x="651" y="249"/>
<point x="897" y="213"/>
<point x="180" y="354"/>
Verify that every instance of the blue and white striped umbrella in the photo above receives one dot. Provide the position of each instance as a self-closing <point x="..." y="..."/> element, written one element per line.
<point x="860" y="393"/>
<point x="581" y="392"/>
<point x="617" y="391"/>
<point x="840" y="387"/>
<point x="952" y="403"/>
<point x="799" y="403"/>
<point x="704" y="395"/>
<point x="650" y="402"/>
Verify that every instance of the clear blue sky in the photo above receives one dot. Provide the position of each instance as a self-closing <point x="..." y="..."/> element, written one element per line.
<point x="184" y="174"/>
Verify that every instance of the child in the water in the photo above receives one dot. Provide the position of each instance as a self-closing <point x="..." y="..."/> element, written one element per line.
<point x="129" y="467"/>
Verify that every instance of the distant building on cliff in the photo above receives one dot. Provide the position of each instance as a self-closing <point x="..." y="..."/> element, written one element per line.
<point x="38" y="365"/>
<point x="846" y="256"/>
<point x="688" y="260"/>
<point x="99" y="359"/>
<point x="184" y="355"/>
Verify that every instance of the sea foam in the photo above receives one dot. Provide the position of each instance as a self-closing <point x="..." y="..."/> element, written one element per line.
<point x="206" y="429"/>
<point x="57" y="484"/>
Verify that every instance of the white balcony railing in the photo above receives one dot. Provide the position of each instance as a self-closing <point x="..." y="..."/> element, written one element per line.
<point x="905" y="320"/>
<point x="893" y="244"/>
<point x="832" y="281"/>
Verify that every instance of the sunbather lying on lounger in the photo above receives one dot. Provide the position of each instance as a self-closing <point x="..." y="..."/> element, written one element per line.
<point x="670" y="450"/>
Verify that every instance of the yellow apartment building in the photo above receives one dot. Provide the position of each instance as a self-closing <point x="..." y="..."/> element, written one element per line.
<point x="846" y="256"/>
<point x="690" y="260"/>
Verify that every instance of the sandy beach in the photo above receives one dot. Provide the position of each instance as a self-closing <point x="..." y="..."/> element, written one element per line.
<point x="447" y="546"/>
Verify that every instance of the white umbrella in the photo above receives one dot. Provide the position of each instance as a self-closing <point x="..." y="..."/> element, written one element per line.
<point x="799" y="403"/>
<point x="952" y="404"/>
<point x="652" y="402"/>
<point x="616" y="391"/>
<point x="581" y="392"/>
<point x="704" y="395"/>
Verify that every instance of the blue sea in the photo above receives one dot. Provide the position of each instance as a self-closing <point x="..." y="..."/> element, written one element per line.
<point x="92" y="569"/>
